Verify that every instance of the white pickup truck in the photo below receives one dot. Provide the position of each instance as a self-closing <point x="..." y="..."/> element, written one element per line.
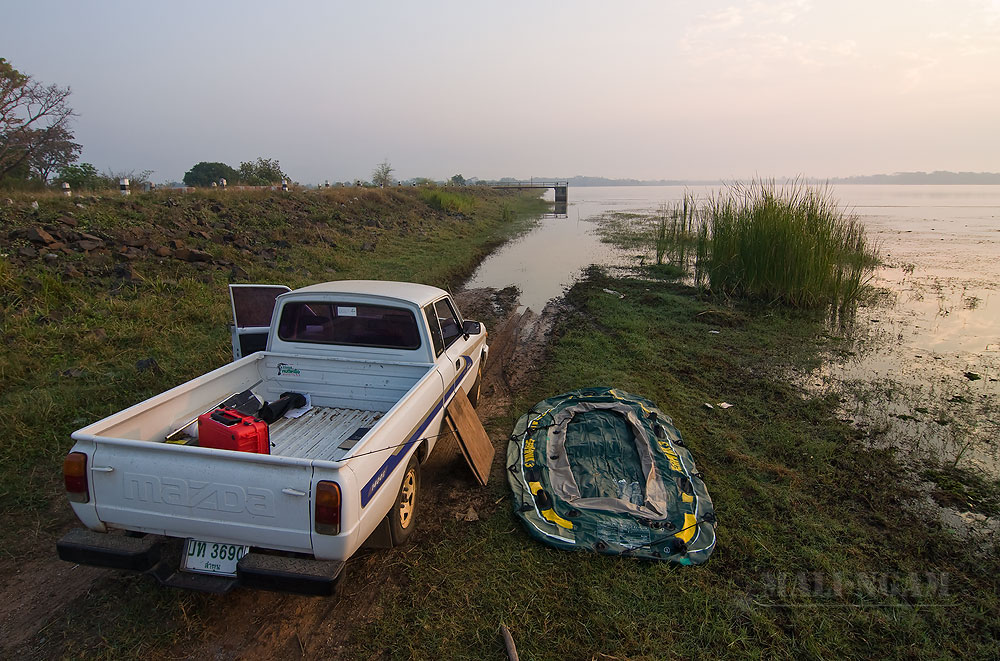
<point x="379" y="362"/>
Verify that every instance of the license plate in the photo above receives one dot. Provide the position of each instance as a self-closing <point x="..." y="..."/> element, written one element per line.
<point x="207" y="557"/>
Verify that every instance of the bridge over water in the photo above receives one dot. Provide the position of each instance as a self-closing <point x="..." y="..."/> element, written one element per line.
<point x="560" y="187"/>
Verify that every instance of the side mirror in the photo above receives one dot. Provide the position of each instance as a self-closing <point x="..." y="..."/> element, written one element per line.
<point x="471" y="328"/>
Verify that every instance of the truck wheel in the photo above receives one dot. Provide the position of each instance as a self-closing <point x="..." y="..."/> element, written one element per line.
<point x="402" y="518"/>
<point x="474" y="391"/>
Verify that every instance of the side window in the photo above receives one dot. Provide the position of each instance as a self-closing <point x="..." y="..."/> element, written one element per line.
<point x="451" y="327"/>
<point x="435" y="330"/>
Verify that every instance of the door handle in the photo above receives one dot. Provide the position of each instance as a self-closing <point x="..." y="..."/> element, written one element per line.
<point x="293" y="492"/>
<point x="458" y="365"/>
<point x="102" y="469"/>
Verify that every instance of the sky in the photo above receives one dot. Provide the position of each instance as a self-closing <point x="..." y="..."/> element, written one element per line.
<point x="632" y="89"/>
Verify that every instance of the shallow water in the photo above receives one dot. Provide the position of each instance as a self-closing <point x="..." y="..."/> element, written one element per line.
<point x="918" y="351"/>
<point x="937" y="320"/>
<point x="544" y="262"/>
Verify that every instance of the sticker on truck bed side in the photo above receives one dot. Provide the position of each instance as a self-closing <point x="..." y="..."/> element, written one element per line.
<point x="285" y="368"/>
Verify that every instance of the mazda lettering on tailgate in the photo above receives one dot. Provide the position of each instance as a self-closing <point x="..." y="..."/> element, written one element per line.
<point x="200" y="495"/>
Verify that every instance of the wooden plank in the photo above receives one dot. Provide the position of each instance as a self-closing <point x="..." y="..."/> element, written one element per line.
<point x="476" y="445"/>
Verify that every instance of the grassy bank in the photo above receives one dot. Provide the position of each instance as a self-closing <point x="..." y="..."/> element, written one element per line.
<point x="818" y="556"/>
<point x="115" y="281"/>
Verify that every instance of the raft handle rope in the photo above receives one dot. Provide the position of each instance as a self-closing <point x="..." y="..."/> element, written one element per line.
<point x="513" y="467"/>
<point x="653" y="542"/>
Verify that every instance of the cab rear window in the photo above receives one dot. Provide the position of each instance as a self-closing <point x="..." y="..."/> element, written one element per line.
<point x="353" y="324"/>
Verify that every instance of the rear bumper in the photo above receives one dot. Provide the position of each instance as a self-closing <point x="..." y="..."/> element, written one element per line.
<point x="159" y="557"/>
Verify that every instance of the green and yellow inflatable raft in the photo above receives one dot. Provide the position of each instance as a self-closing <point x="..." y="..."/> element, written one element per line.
<point x="602" y="470"/>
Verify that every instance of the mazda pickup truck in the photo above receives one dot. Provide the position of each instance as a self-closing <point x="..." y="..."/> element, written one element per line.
<point x="376" y="364"/>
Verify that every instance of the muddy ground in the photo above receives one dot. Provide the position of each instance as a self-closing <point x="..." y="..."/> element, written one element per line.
<point x="260" y="625"/>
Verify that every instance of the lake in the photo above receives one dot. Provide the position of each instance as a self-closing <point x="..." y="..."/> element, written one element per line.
<point x="925" y="360"/>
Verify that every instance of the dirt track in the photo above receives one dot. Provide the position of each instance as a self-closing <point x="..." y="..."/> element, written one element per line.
<point x="260" y="625"/>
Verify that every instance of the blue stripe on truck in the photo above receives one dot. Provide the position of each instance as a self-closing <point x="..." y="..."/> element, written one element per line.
<point x="390" y="464"/>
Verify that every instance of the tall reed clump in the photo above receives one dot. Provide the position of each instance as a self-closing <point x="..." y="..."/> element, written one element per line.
<point x="791" y="245"/>
<point x="675" y="233"/>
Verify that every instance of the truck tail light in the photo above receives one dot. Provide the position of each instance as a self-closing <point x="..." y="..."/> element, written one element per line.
<point x="327" y="508"/>
<point x="75" y="477"/>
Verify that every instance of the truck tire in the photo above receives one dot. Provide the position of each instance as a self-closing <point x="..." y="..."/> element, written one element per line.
<point x="476" y="387"/>
<point x="402" y="517"/>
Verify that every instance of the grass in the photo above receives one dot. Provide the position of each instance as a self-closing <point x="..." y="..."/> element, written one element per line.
<point x="449" y="201"/>
<point x="69" y="345"/>
<point x="800" y="500"/>
<point x="818" y="556"/>
<point x="792" y="245"/>
<point x="964" y="489"/>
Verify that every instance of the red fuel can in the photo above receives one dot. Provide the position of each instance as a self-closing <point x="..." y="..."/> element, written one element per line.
<point x="226" y="428"/>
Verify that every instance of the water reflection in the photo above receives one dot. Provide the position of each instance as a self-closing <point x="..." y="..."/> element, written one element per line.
<point x="559" y="210"/>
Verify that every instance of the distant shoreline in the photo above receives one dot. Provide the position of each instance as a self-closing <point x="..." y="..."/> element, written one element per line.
<point x="939" y="178"/>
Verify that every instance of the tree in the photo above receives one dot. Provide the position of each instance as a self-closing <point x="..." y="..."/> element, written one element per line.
<point x="204" y="173"/>
<point x="457" y="180"/>
<point x="33" y="117"/>
<point x="262" y="172"/>
<point x="54" y="154"/>
<point x="382" y="174"/>
<point x="81" y="176"/>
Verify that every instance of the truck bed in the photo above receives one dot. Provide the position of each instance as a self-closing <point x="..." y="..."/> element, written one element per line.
<point x="347" y="395"/>
<point x="323" y="432"/>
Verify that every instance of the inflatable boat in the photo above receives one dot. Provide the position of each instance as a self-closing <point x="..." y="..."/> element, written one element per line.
<point x="601" y="470"/>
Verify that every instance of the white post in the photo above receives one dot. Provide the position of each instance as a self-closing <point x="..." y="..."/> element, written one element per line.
<point x="66" y="191"/>
<point x="123" y="186"/>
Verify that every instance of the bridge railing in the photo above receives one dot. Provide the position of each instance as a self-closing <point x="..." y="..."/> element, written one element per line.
<point x="533" y="183"/>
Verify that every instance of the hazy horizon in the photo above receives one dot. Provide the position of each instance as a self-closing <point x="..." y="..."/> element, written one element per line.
<point x="644" y="90"/>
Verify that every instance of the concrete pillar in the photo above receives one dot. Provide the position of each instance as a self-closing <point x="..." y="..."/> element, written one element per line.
<point x="66" y="190"/>
<point x="123" y="186"/>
